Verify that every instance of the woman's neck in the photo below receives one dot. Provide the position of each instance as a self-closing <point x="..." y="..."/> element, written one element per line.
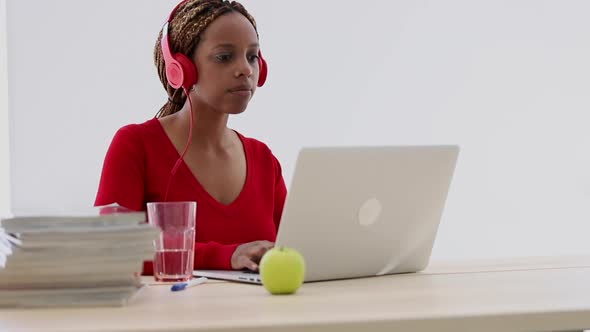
<point x="210" y="130"/>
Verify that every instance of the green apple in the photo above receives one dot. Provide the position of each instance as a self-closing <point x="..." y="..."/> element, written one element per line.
<point x="282" y="270"/>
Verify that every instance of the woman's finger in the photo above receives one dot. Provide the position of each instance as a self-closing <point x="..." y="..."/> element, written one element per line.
<point x="248" y="263"/>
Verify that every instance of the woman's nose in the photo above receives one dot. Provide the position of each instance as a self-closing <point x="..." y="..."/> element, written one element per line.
<point x="244" y="68"/>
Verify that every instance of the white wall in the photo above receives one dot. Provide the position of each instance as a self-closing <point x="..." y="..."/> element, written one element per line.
<point x="4" y="145"/>
<point x="507" y="80"/>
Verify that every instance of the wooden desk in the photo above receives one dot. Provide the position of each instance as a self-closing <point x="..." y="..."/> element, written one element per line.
<point x="491" y="296"/>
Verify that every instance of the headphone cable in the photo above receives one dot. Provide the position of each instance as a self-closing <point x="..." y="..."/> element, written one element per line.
<point x="188" y="142"/>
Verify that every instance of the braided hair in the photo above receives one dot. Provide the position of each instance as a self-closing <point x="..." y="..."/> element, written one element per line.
<point x="184" y="33"/>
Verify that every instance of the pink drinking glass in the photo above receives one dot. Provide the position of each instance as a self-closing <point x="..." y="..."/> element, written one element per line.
<point x="175" y="245"/>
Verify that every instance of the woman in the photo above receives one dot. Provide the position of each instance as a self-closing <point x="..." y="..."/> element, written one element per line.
<point x="187" y="152"/>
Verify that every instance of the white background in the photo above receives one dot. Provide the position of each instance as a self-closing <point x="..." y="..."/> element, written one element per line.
<point x="4" y="147"/>
<point x="509" y="81"/>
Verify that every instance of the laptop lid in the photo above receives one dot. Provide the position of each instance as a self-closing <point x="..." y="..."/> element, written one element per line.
<point x="366" y="211"/>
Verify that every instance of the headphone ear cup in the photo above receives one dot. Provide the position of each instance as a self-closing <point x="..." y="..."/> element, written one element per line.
<point x="263" y="69"/>
<point x="189" y="70"/>
<point x="174" y="73"/>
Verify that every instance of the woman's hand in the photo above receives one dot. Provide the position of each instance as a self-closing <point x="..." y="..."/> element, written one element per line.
<point x="248" y="255"/>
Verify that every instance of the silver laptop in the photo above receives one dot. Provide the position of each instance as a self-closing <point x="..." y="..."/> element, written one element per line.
<point x="362" y="211"/>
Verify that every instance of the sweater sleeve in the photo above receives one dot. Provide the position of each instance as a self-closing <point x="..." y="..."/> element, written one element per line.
<point x="213" y="255"/>
<point x="123" y="172"/>
<point x="280" y="193"/>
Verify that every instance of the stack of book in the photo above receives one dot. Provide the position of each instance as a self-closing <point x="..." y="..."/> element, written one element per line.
<point x="73" y="261"/>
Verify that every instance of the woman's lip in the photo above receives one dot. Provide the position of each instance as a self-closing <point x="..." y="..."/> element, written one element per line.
<point x="241" y="92"/>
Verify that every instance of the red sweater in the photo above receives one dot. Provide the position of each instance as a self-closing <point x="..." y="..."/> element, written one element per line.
<point x="136" y="170"/>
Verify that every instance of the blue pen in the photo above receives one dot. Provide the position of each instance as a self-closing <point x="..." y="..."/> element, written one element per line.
<point x="183" y="285"/>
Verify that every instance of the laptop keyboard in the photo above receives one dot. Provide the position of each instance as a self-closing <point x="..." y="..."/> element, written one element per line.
<point x="249" y="271"/>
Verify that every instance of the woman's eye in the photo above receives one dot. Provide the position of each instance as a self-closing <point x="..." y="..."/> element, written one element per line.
<point x="253" y="58"/>
<point x="223" y="57"/>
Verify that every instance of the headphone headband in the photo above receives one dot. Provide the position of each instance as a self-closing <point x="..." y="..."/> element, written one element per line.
<point x="166" y="47"/>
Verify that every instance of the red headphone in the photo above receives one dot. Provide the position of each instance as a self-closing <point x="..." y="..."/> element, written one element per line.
<point x="181" y="71"/>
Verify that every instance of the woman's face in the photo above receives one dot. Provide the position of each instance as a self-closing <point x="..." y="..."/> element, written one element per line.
<point x="227" y="64"/>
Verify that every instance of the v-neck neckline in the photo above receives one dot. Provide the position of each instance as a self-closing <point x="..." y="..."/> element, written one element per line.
<point x="186" y="172"/>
